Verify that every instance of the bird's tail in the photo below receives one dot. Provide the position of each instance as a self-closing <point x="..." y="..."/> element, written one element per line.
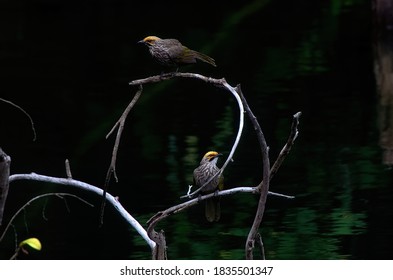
<point x="213" y="209"/>
<point x="205" y="58"/>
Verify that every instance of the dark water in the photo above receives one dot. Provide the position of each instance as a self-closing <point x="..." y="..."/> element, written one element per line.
<point x="69" y="66"/>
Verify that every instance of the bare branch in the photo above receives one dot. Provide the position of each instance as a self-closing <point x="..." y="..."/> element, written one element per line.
<point x="90" y="188"/>
<point x="24" y="112"/>
<point x="167" y="76"/>
<point x="112" y="167"/>
<point x="280" y="195"/>
<point x="68" y="169"/>
<point x="286" y="149"/>
<point x="264" y="185"/>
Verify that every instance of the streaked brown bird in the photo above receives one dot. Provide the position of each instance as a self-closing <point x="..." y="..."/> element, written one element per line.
<point x="206" y="169"/>
<point x="171" y="53"/>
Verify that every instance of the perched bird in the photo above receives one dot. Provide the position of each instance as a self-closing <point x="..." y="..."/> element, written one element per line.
<point x="170" y="52"/>
<point x="206" y="169"/>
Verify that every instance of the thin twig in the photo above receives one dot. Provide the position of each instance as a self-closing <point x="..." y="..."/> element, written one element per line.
<point x="24" y="112"/>
<point x="13" y="257"/>
<point x="68" y="169"/>
<point x="112" y="167"/>
<point x="286" y="149"/>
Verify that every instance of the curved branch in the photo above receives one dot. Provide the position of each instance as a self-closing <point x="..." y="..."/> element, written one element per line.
<point x="222" y="83"/>
<point x="263" y="186"/>
<point x="90" y="188"/>
<point x="168" y="76"/>
<point x="24" y="112"/>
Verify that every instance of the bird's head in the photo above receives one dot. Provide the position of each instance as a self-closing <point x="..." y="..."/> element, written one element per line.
<point x="149" y="40"/>
<point x="211" y="156"/>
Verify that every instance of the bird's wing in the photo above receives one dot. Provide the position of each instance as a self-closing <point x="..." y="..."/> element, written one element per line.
<point x="179" y="53"/>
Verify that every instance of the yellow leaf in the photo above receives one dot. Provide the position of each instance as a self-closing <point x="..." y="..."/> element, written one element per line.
<point x="33" y="243"/>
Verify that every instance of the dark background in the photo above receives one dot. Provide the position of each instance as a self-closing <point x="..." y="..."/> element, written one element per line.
<point x="68" y="64"/>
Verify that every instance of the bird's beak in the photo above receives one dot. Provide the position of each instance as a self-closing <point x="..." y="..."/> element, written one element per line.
<point x="219" y="155"/>
<point x="140" y="42"/>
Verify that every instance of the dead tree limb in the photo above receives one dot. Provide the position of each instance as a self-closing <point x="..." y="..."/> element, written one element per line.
<point x="112" y="167"/>
<point x="287" y="148"/>
<point x="263" y="186"/>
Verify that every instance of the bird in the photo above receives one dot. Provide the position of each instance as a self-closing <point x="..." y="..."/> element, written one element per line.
<point x="206" y="169"/>
<point x="171" y="53"/>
